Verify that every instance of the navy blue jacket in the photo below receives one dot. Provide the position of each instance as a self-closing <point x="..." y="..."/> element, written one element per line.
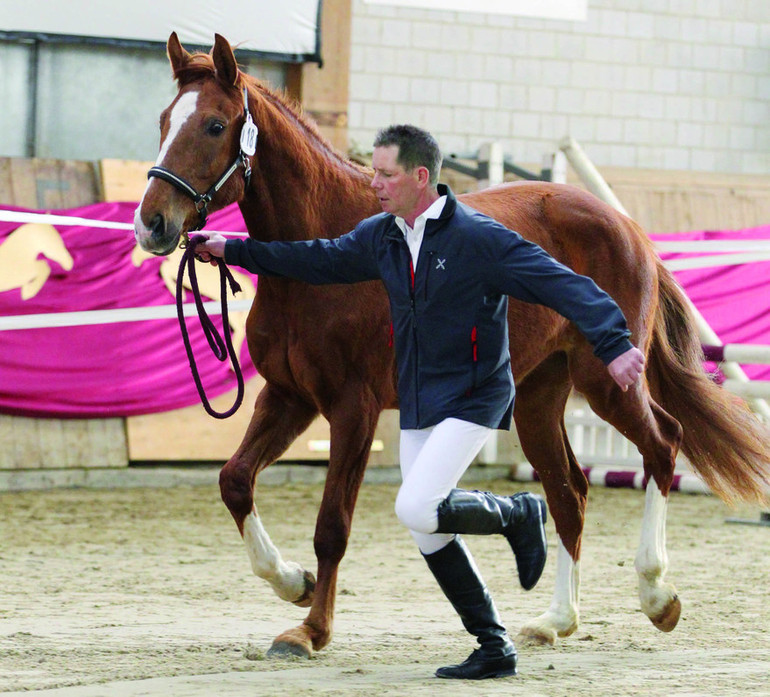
<point x="449" y="314"/>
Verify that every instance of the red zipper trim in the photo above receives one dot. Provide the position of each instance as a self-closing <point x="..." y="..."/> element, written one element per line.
<point x="390" y="338"/>
<point x="475" y="355"/>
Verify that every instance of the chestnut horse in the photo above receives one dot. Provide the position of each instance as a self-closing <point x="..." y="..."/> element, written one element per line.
<point x="326" y="349"/>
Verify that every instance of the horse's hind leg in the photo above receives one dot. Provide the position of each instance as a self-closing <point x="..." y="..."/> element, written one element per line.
<point x="657" y="435"/>
<point x="659" y="600"/>
<point x="539" y="414"/>
<point x="276" y="422"/>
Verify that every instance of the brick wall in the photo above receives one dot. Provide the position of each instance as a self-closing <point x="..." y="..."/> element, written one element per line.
<point x="660" y="84"/>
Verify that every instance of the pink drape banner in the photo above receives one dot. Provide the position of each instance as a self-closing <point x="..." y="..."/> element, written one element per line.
<point x="140" y="367"/>
<point x="118" y="369"/>
<point x="734" y="300"/>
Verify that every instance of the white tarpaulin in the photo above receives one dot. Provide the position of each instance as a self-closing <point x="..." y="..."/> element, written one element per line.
<point x="286" y="29"/>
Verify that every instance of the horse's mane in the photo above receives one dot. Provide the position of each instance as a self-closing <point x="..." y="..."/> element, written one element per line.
<point x="201" y="66"/>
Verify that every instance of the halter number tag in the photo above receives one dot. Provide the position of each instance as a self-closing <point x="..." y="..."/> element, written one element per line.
<point x="249" y="134"/>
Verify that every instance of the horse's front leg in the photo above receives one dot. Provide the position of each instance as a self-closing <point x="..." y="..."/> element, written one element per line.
<point x="562" y="616"/>
<point x="539" y="410"/>
<point x="352" y="431"/>
<point x="276" y="422"/>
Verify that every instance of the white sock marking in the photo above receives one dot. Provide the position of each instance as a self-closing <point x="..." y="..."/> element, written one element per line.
<point x="286" y="578"/>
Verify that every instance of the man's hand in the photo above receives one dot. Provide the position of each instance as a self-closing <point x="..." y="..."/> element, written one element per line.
<point x="627" y="368"/>
<point x="212" y="249"/>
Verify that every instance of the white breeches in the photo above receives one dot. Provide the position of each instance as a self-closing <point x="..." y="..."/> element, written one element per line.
<point x="432" y="462"/>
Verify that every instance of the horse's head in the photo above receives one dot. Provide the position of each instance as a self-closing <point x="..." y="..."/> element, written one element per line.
<point x="202" y="148"/>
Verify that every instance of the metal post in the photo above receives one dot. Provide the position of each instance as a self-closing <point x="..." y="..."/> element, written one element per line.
<point x="30" y="146"/>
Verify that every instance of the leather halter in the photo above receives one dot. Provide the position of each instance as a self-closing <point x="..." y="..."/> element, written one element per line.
<point x="247" y="147"/>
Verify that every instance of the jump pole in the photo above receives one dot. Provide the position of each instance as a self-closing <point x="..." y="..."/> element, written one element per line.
<point x="611" y="478"/>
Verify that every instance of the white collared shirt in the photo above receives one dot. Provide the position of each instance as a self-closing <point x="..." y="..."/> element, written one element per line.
<point x="414" y="235"/>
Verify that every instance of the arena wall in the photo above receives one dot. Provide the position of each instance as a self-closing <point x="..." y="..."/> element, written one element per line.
<point x="661" y="84"/>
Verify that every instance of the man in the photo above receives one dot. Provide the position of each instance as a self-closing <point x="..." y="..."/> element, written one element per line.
<point x="448" y="271"/>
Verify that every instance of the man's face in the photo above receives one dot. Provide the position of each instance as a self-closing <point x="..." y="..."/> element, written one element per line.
<point x="398" y="190"/>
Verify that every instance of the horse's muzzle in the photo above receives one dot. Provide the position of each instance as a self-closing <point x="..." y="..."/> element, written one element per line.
<point x="160" y="237"/>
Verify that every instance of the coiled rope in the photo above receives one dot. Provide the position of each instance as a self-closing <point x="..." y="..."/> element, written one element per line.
<point x="221" y="348"/>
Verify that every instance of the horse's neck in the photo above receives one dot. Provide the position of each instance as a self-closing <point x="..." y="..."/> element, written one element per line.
<point x="302" y="188"/>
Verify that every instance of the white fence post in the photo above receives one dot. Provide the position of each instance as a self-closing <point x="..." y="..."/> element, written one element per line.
<point x="557" y="163"/>
<point x="492" y="155"/>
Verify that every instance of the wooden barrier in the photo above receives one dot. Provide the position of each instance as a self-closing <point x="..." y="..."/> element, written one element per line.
<point x="47" y="184"/>
<point x="191" y="435"/>
<point x="34" y="443"/>
<point x="123" y="180"/>
<point x="671" y="201"/>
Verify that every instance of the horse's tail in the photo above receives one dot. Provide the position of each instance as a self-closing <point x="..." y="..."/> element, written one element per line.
<point x="725" y="443"/>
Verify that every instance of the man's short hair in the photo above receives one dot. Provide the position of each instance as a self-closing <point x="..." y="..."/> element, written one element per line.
<point x="416" y="148"/>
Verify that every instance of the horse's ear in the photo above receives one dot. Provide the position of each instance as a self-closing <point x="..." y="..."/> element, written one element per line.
<point x="177" y="55"/>
<point x="224" y="61"/>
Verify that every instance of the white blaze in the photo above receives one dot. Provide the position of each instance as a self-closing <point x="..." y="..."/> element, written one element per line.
<point x="183" y="110"/>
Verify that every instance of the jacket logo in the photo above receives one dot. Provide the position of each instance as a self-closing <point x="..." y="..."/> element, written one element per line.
<point x="440" y="264"/>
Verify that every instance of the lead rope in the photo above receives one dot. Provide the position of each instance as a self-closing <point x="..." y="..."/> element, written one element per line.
<point x="221" y="348"/>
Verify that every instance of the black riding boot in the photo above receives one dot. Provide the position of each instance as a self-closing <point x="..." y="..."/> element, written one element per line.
<point x="459" y="578"/>
<point x="520" y="518"/>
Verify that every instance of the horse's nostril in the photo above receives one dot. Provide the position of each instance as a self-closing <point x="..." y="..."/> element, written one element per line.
<point x="158" y="226"/>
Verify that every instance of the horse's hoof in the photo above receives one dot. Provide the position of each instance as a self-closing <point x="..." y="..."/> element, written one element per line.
<point x="669" y="618"/>
<point x="306" y="599"/>
<point x="285" y="649"/>
<point x="536" y="636"/>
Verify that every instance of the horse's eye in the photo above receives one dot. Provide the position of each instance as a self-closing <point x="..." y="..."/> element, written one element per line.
<point x="215" y="128"/>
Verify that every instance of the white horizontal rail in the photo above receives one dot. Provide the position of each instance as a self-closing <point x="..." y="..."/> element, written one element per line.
<point x="50" y="219"/>
<point x="716" y="260"/>
<point x="754" y="389"/>
<point x="714" y="246"/>
<point x="757" y="354"/>
<point x="126" y="314"/>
